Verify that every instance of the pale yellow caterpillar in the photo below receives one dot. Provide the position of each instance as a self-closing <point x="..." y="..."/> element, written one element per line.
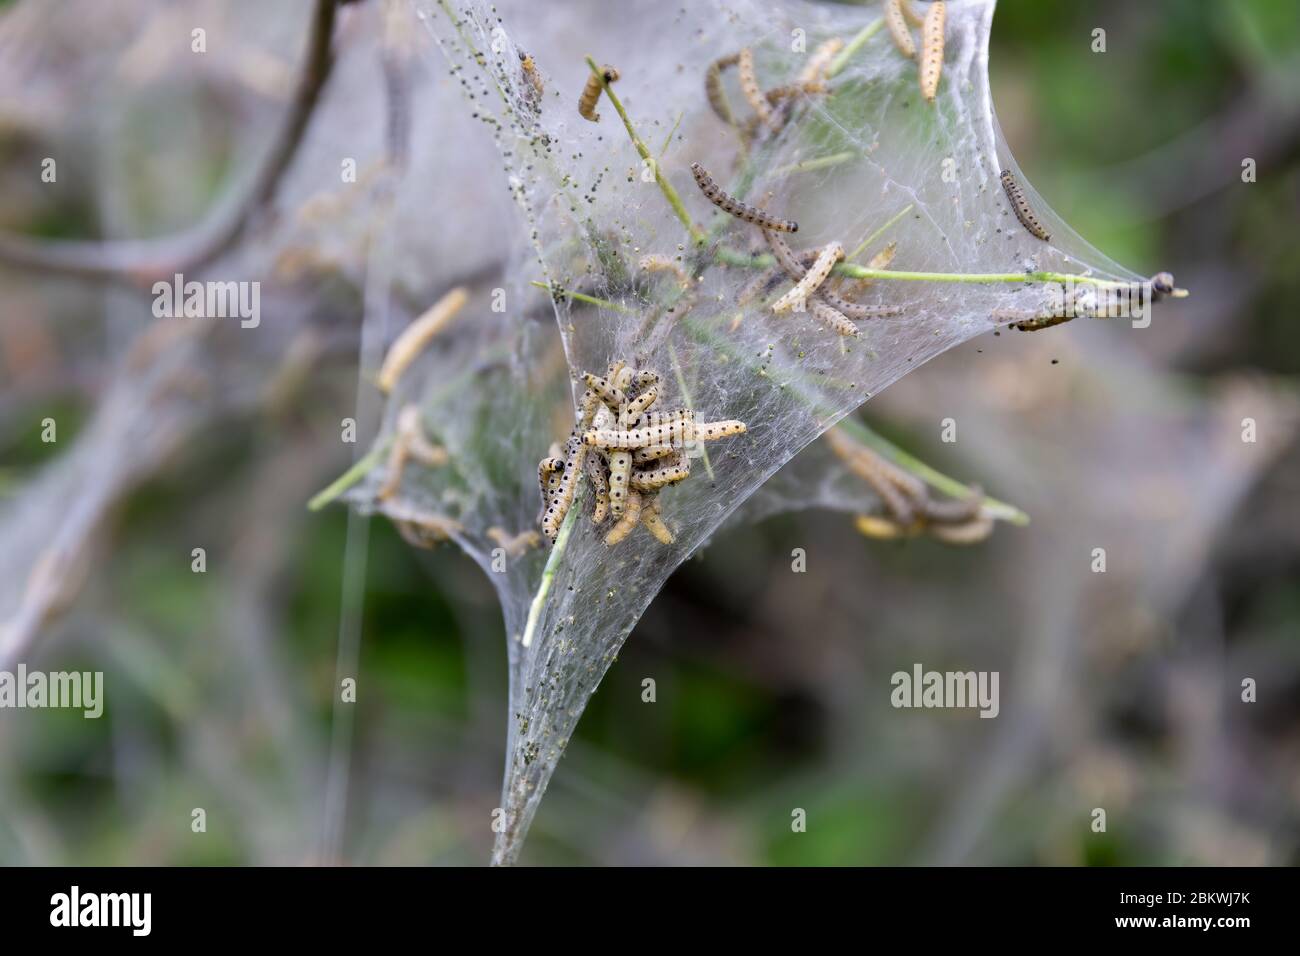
<point x="631" y="518"/>
<point x="970" y="532"/>
<point x="898" y="28"/>
<point x="532" y="75"/>
<point x="409" y="441"/>
<point x="832" y="317"/>
<point x="932" y="30"/>
<point x="596" y="471"/>
<point x="423" y="529"/>
<point x="797" y="297"/>
<point x="657" y="263"/>
<point x="630" y="413"/>
<point x="1024" y="212"/>
<point x="417" y="335"/>
<point x="677" y="432"/>
<point x="813" y="79"/>
<point x="714" y="193"/>
<point x="652" y="453"/>
<point x="651" y="520"/>
<point x="514" y="545"/>
<point x="909" y="14"/>
<point x="713" y="88"/>
<point x="591" y="92"/>
<point x="605" y="390"/>
<point x="789" y="262"/>
<point x="549" y="471"/>
<point x="620" y="469"/>
<point x="749" y="86"/>
<point x="559" y="505"/>
<point x="656" y="478"/>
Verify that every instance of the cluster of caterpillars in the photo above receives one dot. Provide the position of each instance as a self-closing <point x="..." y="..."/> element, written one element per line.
<point x="627" y="451"/>
<point x="808" y="269"/>
<point x="909" y="510"/>
<point x="900" y="18"/>
<point x="771" y="107"/>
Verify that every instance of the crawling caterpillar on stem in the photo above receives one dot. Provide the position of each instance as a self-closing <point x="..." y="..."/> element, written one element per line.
<point x="729" y="204"/>
<point x="591" y="92"/>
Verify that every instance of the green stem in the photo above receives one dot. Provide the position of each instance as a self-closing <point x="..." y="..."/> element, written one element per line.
<point x="854" y="45"/>
<point x="581" y="297"/>
<point x="686" y="397"/>
<point x="821" y="162"/>
<point x="991" y="507"/>
<point x="360" y="468"/>
<point x="879" y="232"/>
<point x="674" y="200"/>
<point x="552" y="565"/>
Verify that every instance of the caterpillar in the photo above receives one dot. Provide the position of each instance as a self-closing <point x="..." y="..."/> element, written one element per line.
<point x="678" y="431"/>
<point x="423" y="529"/>
<point x="970" y="532"/>
<point x="932" y="49"/>
<point x="630" y="413"/>
<point x="532" y="75"/>
<point x="1021" y="206"/>
<point x="591" y="92"/>
<point x="898" y="28"/>
<point x="605" y="390"/>
<point x="409" y="441"/>
<point x="834" y="318"/>
<point x="1039" y="322"/>
<point x="729" y="204"/>
<point x="651" y="520"/>
<point x="656" y="478"/>
<point x="956" y="511"/>
<point x="797" y="297"/>
<point x="713" y="88"/>
<point x="620" y="469"/>
<point x="596" y="472"/>
<point x="631" y="518"/>
<point x="656" y="263"/>
<point x="749" y="86"/>
<point x="1162" y="284"/>
<point x="417" y="335"/>
<point x="812" y="79"/>
<point x="548" y="471"/>
<point x="651" y="453"/>
<point x="562" y="500"/>
<point x="788" y="261"/>
<point x="514" y="545"/>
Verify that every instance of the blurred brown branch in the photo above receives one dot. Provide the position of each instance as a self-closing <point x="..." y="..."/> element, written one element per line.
<point x="142" y="260"/>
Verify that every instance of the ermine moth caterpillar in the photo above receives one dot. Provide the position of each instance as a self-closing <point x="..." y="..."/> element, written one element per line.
<point x="1021" y="206"/>
<point x="591" y="92"/>
<point x="714" y="194"/>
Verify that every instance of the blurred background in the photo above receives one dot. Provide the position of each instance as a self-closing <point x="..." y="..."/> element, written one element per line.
<point x="1119" y="690"/>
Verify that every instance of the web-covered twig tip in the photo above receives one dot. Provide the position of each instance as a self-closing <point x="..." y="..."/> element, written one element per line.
<point x="626" y="451"/>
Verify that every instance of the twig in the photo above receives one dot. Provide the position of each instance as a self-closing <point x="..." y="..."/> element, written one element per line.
<point x="555" y="290"/>
<point x="854" y="45"/>
<point x="142" y="260"/>
<point x="878" y="233"/>
<point x="548" y="572"/>
<point x="674" y="200"/>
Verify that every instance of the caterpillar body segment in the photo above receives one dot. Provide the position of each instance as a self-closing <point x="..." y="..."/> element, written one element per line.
<point x="798" y="296"/>
<point x="898" y="29"/>
<point x="713" y="88"/>
<point x="729" y="204"/>
<point x="749" y="86"/>
<point x="630" y="519"/>
<point x="932" y="33"/>
<point x="605" y="390"/>
<point x="651" y="518"/>
<point x="813" y="77"/>
<point x="837" y="321"/>
<point x="591" y="92"/>
<point x="1020" y="205"/>
<point x="620" y="470"/>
